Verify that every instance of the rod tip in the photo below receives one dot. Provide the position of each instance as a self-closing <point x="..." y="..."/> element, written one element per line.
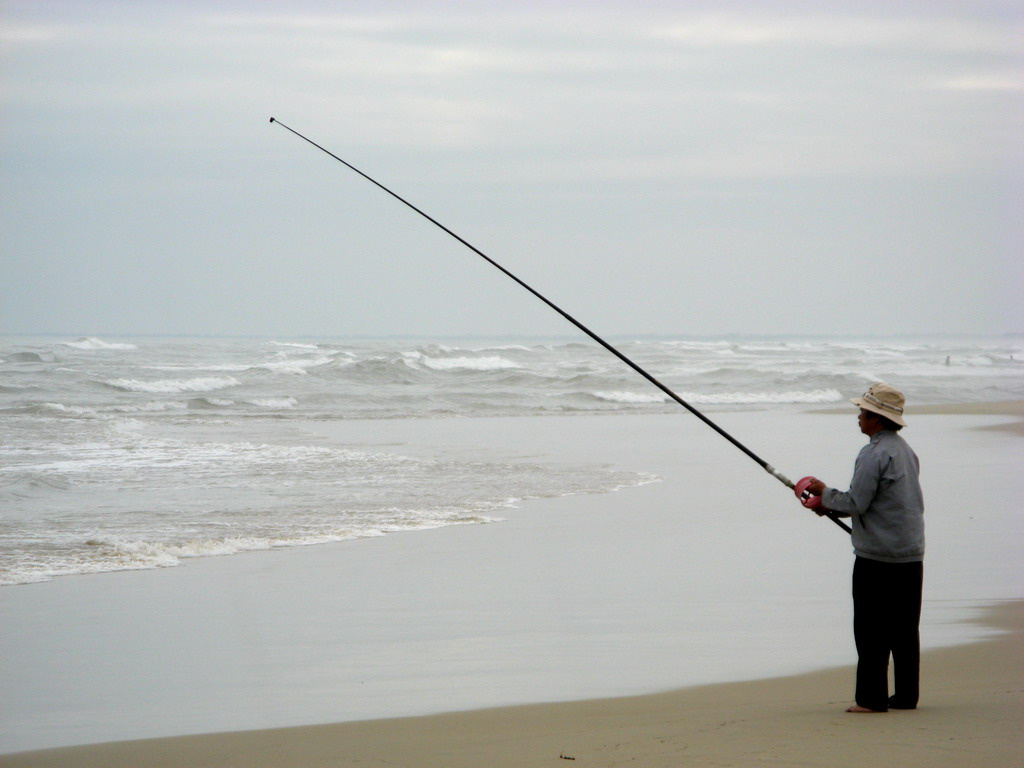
<point x="271" y="119"/>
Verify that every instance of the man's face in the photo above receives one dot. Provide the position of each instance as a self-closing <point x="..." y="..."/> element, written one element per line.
<point x="868" y="422"/>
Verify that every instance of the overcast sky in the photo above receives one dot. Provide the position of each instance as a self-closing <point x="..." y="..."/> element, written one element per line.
<point x="706" y="167"/>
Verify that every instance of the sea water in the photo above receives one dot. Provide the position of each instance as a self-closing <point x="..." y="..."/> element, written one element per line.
<point x="137" y="453"/>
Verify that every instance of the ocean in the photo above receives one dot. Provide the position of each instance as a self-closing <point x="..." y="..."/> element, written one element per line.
<point x="139" y="453"/>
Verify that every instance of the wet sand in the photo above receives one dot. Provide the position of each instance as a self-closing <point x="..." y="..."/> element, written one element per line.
<point x="971" y="713"/>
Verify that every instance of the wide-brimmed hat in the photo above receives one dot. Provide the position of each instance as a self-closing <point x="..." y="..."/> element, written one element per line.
<point x="884" y="400"/>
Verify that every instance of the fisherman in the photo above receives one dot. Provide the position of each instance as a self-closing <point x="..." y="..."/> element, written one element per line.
<point x="887" y="510"/>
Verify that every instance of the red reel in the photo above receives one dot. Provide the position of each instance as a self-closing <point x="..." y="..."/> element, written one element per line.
<point x="800" y="489"/>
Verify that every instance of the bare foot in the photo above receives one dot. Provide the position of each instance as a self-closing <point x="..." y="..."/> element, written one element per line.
<point x="859" y="709"/>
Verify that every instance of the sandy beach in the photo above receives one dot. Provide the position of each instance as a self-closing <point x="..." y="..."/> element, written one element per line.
<point x="972" y="716"/>
<point x="684" y="621"/>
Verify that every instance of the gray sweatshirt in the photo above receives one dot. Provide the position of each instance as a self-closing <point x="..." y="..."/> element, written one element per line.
<point x="884" y="501"/>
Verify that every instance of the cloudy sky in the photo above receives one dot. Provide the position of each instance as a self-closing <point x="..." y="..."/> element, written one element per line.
<point x="697" y="168"/>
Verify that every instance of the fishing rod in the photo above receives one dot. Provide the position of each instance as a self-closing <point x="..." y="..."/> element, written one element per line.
<point x="802" y="493"/>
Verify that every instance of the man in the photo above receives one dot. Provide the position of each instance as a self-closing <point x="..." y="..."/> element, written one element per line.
<point x="887" y="510"/>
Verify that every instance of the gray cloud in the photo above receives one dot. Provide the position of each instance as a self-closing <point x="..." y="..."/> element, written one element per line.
<point x="710" y="168"/>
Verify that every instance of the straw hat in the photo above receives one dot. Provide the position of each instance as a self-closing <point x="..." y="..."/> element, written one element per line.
<point x="884" y="400"/>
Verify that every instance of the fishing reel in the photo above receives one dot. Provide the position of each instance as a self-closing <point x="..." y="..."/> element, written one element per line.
<point x="809" y="501"/>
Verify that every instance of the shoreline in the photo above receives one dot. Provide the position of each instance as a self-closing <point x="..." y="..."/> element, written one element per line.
<point x="1011" y="408"/>
<point x="662" y="586"/>
<point x="972" y="704"/>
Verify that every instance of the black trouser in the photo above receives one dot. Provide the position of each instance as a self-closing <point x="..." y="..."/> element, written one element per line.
<point x="886" y="615"/>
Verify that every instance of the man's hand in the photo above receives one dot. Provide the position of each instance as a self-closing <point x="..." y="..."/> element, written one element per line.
<point x="816" y="487"/>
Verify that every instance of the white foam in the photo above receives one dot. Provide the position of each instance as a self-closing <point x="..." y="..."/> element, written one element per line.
<point x="631" y="397"/>
<point x="104" y="555"/>
<point x="757" y="398"/>
<point x="696" y="345"/>
<point x="70" y="410"/>
<point x="167" y="386"/>
<point x="294" y="367"/>
<point x="277" y="403"/>
<point x="94" y="343"/>
<point x="505" y="348"/>
<point x="154" y="406"/>
<point x="726" y="398"/>
<point x="294" y="345"/>
<point x="225" y="368"/>
<point x="492" y="363"/>
<point x="107" y="412"/>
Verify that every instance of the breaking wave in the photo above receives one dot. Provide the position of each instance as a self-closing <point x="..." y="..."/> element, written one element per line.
<point x="167" y="386"/>
<point x="493" y="363"/>
<point x="92" y="343"/>
<point x="727" y="398"/>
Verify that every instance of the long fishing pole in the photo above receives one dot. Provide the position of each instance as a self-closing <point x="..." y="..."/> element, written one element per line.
<point x="761" y="462"/>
